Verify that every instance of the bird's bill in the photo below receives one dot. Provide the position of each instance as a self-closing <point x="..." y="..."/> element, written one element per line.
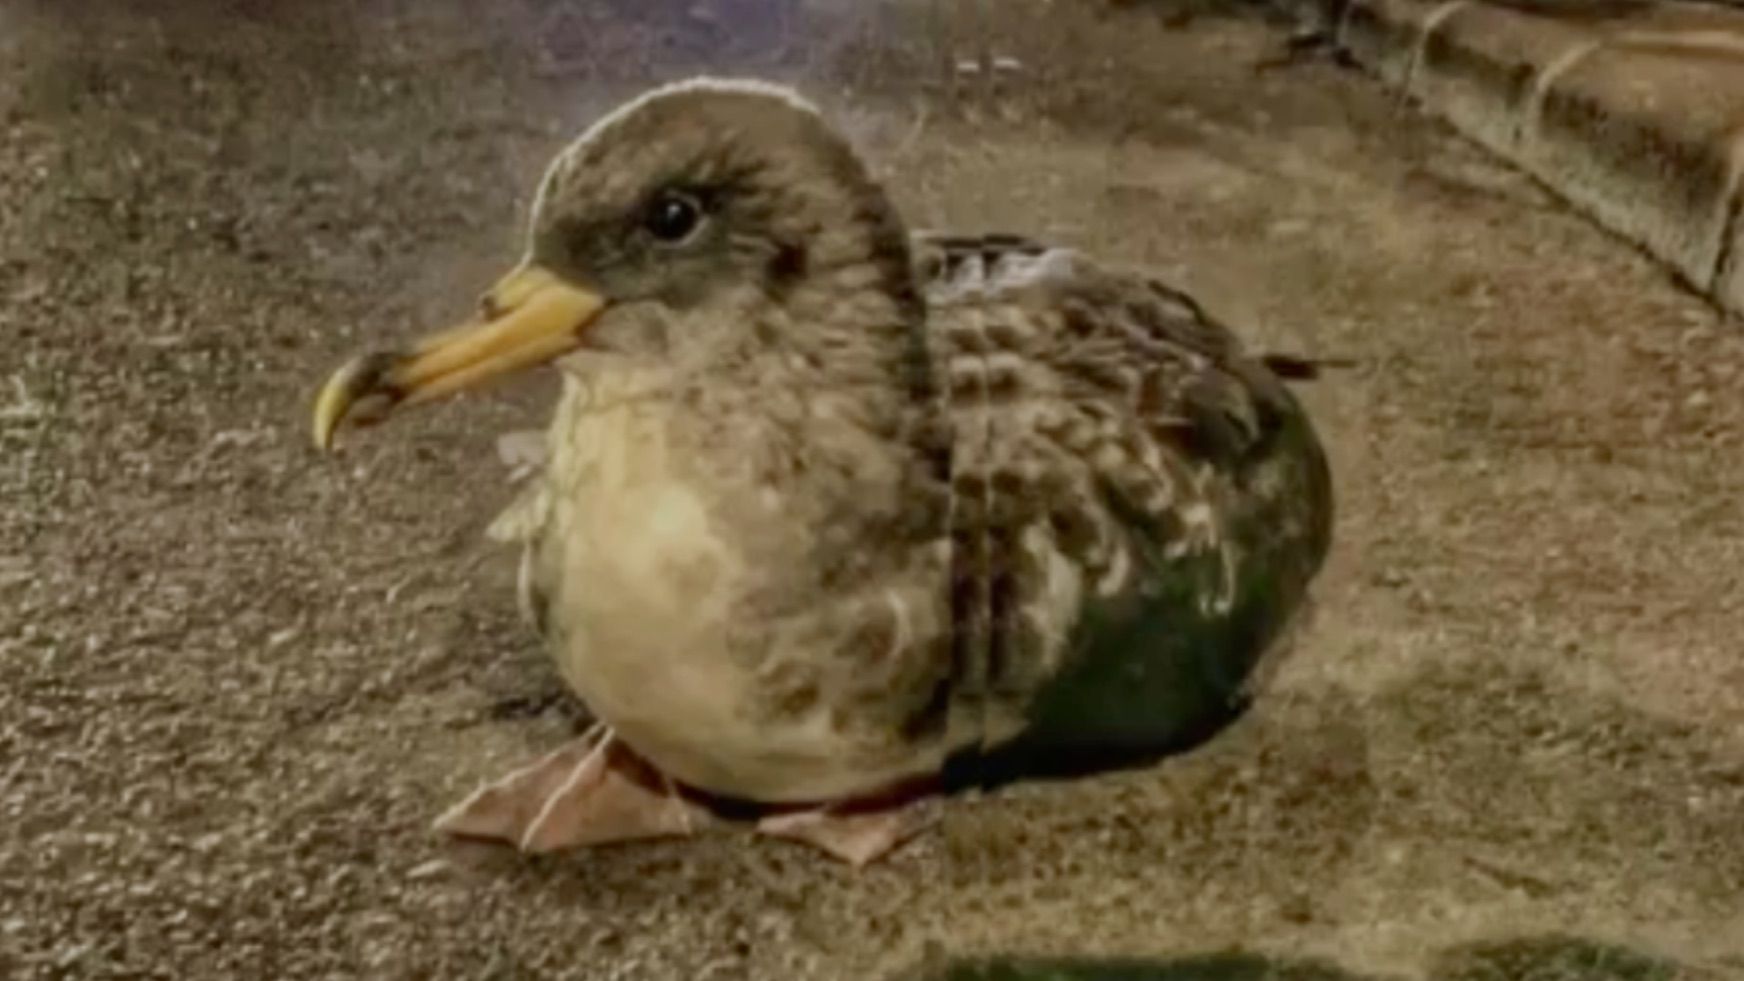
<point x="530" y="317"/>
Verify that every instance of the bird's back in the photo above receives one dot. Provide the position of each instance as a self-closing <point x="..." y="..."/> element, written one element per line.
<point x="1137" y="505"/>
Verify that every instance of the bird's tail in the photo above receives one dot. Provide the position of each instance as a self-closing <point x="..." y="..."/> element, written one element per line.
<point x="1291" y="367"/>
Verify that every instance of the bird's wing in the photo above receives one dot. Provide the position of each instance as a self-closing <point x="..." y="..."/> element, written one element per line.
<point x="1112" y="445"/>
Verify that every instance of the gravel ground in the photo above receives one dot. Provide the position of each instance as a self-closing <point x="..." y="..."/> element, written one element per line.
<point x="238" y="679"/>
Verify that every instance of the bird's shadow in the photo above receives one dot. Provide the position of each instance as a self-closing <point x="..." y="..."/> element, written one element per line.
<point x="1543" y="958"/>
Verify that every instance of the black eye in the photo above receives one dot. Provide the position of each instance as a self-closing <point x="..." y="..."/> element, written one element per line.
<point x="672" y="217"/>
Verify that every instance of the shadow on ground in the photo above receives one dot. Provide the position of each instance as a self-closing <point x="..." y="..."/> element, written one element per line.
<point x="1534" y="959"/>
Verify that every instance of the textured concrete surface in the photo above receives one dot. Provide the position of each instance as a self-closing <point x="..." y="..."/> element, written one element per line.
<point x="1633" y="110"/>
<point x="238" y="679"/>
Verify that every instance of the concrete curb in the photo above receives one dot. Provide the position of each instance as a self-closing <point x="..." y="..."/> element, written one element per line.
<point x="1632" y="110"/>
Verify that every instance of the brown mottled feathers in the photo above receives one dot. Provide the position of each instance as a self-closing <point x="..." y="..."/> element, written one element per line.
<point x="1104" y="435"/>
<point x="1096" y="416"/>
<point x="832" y="508"/>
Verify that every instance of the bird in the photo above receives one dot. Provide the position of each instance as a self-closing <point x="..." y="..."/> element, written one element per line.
<point x="838" y="517"/>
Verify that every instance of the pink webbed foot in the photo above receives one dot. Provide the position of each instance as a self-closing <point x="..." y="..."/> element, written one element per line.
<point x="856" y="834"/>
<point x="589" y="792"/>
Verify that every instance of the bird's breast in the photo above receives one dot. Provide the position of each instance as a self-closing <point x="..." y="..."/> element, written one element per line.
<point x="660" y="547"/>
<point x="640" y="574"/>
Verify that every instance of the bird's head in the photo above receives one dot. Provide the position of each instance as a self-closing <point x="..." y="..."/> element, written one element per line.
<point x="703" y="219"/>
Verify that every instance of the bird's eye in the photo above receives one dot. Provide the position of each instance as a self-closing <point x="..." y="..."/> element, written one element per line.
<point x="672" y="217"/>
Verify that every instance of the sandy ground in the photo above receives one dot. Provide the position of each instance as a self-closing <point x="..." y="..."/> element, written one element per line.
<point x="238" y="679"/>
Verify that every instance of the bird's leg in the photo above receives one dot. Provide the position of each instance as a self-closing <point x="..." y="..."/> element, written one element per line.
<point x="856" y="833"/>
<point x="591" y="791"/>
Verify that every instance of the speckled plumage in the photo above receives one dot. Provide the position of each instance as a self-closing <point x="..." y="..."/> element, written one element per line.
<point x="1079" y="441"/>
<point x="831" y="508"/>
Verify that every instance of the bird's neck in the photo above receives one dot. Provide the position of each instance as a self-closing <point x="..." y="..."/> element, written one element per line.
<point x="845" y="398"/>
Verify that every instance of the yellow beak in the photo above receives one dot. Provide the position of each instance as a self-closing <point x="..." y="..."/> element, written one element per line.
<point x="530" y="317"/>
